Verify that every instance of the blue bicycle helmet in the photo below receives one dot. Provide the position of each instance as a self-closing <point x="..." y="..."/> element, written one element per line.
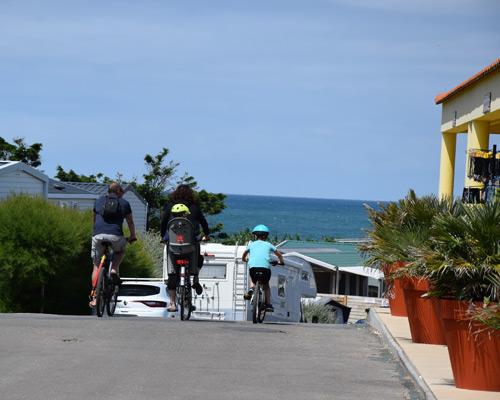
<point x="260" y="229"/>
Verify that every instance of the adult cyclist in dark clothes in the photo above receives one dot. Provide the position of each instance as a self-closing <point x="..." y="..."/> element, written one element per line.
<point x="109" y="229"/>
<point x="185" y="195"/>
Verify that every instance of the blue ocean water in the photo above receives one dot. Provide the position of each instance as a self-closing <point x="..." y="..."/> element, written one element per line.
<point x="306" y="217"/>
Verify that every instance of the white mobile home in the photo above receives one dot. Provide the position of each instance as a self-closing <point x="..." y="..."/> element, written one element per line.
<point x="225" y="279"/>
<point x="17" y="177"/>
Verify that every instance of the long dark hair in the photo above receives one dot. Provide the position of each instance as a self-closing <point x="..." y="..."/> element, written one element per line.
<point x="183" y="193"/>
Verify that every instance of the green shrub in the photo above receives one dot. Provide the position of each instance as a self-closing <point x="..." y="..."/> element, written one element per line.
<point x="45" y="257"/>
<point x="323" y="312"/>
<point x="40" y="248"/>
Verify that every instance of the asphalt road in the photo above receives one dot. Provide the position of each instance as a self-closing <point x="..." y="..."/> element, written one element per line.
<point x="78" y="357"/>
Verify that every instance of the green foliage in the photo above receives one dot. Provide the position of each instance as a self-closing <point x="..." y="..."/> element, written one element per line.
<point x="154" y="188"/>
<point x="72" y="176"/>
<point x="138" y="261"/>
<point x="20" y="151"/>
<point x="154" y="250"/>
<point x="397" y="229"/>
<point x="45" y="253"/>
<point x="325" y="313"/>
<point x="463" y="260"/>
<point x="40" y="248"/>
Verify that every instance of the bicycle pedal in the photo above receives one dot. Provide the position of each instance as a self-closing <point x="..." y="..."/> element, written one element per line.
<point x="193" y="308"/>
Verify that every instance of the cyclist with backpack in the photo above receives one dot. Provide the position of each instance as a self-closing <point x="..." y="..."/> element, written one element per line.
<point x="257" y="254"/>
<point x="185" y="195"/>
<point x="109" y="213"/>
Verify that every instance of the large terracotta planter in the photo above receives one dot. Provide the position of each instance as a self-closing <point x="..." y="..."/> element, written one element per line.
<point x="475" y="358"/>
<point x="396" y="296"/>
<point x="425" y="324"/>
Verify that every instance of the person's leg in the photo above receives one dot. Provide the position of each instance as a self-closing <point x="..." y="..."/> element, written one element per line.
<point x="172" y="287"/>
<point x="117" y="260"/>
<point x="93" y="278"/>
<point x="119" y="245"/>
<point x="267" y="291"/>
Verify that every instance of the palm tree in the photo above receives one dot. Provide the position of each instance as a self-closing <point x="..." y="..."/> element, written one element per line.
<point x="463" y="261"/>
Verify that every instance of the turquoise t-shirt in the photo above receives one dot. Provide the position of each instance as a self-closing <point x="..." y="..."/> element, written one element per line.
<point x="260" y="252"/>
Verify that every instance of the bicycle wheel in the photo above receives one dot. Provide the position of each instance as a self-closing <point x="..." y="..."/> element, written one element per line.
<point x="185" y="300"/>
<point x="262" y="305"/>
<point x="111" y="300"/>
<point x="256" y="303"/>
<point x="99" y="292"/>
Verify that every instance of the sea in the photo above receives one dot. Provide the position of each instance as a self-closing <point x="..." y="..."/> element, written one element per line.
<point x="304" y="218"/>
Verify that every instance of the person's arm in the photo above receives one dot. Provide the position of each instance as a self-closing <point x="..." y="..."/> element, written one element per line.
<point x="244" y="256"/>
<point x="280" y="257"/>
<point x="204" y="224"/>
<point x="131" y="227"/>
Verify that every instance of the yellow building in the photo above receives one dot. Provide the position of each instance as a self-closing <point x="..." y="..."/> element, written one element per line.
<point x="473" y="107"/>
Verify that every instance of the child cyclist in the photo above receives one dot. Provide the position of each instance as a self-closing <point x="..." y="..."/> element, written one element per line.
<point x="258" y="254"/>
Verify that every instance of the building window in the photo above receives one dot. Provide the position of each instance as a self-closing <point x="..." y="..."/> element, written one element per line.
<point x="304" y="276"/>
<point x="281" y="285"/>
<point x="213" y="271"/>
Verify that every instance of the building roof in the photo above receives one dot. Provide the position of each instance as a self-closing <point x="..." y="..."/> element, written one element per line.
<point x="101" y="189"/>
<point x="333" y="253"/>
<point x="440" y="98"/>
<point x="56" y="187"/>
<point x="11" y="166"/>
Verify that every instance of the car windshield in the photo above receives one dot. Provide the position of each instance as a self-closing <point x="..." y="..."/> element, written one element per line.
<point x="138" y="290"/>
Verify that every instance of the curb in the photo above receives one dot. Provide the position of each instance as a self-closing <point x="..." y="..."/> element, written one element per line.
<point x="374" y="320"/>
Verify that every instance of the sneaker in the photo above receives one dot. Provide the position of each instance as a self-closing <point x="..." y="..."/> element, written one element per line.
<point x="197" y="286"/>
<point x="269" y="308"/>
<point x="248" y="295"/>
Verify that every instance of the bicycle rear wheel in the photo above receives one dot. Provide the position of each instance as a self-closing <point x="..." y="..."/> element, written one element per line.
<point x="256" y="303"/>
<point x="111" y="301"/>
<point x="185" y="300"/>
<point x="262" y="305"/>
<point x="99" y="292"/>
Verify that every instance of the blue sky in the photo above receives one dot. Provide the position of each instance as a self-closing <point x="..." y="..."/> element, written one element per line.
<point x="306" y="98"/>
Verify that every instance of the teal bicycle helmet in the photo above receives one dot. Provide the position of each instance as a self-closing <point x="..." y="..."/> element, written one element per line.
<point x="260" y="229"/>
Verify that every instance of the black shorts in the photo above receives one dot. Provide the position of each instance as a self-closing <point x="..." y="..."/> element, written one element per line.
<point x="174" y="278"/>
<point x="262" y="274"/>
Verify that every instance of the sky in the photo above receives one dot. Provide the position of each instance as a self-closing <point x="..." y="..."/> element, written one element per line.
<point x="303" y="98"/>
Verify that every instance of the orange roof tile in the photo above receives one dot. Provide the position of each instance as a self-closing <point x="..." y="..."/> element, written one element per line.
<point x="440" y="98"/>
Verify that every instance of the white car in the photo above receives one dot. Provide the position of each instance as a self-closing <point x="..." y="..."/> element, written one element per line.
<point x="143" y="299"/>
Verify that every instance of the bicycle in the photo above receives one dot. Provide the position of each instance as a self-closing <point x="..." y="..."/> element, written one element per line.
<point x="182" y="250"/>
<point x="259" y="300"/>
<point x="259" y="304"/>
<point x="184" y="290"/>
<point x="105" y="289"/>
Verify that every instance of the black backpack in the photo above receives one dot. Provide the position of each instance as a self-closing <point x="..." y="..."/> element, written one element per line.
<point x="111" y="208"/>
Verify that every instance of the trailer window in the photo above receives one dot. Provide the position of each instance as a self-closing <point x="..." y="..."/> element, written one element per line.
<point x="213" y="271"/>
<point x="281" y="285"/>
<point x="304" y="276"/>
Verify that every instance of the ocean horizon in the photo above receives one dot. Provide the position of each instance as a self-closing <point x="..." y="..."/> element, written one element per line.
<point x="304" y="217"/>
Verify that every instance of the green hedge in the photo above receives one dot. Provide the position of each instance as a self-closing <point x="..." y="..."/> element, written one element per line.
<point x="45" y="263"/>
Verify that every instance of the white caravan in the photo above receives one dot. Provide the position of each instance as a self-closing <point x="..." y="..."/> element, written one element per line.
<point x="225" y="279"/>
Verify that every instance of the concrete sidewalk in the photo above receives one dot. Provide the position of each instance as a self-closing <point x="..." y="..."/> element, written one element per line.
<point x="428" y="364"/>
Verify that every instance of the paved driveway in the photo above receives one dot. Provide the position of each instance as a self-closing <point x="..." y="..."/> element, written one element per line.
<point x="70" y="357"/>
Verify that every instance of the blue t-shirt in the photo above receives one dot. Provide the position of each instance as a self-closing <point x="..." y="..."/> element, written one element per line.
<point x="110" y="226"/>
<point x="260" y="254"/>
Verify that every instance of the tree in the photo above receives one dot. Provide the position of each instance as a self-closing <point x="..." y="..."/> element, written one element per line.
<point x="160" y="180"/>
<point x="20" y="151"/>
<point x="72" y="176"/>
<point x="157" y="180"/>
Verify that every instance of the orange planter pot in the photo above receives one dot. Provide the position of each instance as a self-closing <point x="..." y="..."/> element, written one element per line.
<point x="425" y="324"/>
<point x="397" y="300"/>
<point x="396" y="296"/>
<point x="475" y="358"/>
